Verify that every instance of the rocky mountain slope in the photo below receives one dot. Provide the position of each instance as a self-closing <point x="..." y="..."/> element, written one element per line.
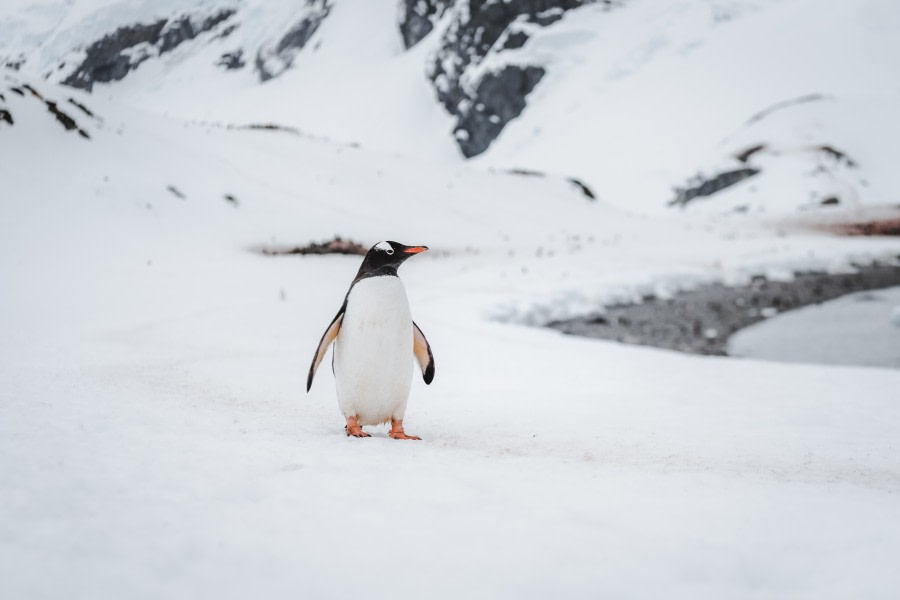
<point x="749" y="102"/>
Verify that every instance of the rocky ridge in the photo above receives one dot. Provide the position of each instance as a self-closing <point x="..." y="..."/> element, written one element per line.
<point x="483" y="100"/>
<point x="112" y="57"/>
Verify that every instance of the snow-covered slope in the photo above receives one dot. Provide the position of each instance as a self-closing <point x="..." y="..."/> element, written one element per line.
<point x="636" y="99"/>
<point x="155" y="440"/>
<point x="706" y="82"/>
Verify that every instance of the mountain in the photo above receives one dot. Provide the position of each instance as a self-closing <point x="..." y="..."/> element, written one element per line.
<point x="647" y="105"/>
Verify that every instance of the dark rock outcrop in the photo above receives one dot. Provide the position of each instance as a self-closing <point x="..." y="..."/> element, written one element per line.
<point x="14" y="64"/>
<point x="232" y="60"/>
<point x="81" y="107"/>
<point x="585" y="189"/>
<point x="701" y="186"/>
<point x="483" y="103"/>
<point x="115" y="55"/>
<point x="498" y="99"/>
<point x="67" y="121"/>
<point x="333" y="246"/>
<point x="273" y="61"/>
<point x="417" y="19"/>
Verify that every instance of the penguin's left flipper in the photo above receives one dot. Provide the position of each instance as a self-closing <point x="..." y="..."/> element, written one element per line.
<point x="422" y="350"/>
<point x="327" y="338"/>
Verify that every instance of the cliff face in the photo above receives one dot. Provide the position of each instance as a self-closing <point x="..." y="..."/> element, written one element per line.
<point x="476" y="73"/>
<point x="113" y="56"/>
<point x="277" y="56"/>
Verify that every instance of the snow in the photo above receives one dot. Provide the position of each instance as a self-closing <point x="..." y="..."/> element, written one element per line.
<point x="155" y="437"/>
<point x="156" y="440"/>
<point x="639" y="115"/>
<point x="852" y="330"/>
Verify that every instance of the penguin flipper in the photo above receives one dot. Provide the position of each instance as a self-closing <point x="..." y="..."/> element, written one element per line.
<point x="327" y="338"/>
<point x="422" y="350"/>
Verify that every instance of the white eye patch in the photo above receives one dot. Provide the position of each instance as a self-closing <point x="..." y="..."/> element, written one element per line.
<point x="385" y="247"/>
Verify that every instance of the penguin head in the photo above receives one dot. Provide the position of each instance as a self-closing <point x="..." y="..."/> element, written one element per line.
<point x="384" y="258"/>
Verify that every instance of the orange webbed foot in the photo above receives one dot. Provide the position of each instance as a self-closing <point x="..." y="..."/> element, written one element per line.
<point x="354" y="429"/>
<point x="397" y="432"/>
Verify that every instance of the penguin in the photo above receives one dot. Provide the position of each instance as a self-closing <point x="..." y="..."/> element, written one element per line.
<point x="375" y="340"/>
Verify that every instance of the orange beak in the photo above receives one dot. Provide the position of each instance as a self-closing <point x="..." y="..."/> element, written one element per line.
<point x="416" y="249"/>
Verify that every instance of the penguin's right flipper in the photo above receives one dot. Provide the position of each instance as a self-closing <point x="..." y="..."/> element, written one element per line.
<point x="327" y="338"/>
<point x="422" y="350"/>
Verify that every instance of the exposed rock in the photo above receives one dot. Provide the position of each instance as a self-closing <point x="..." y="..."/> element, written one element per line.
<point x="577" y="183"/>
<point x="744" y="155"/>
<point x="335" y="246"/>
<point x="587" y="191"/>
<point x="417" y="19"/>
<point x="33" y="91"/>
<point x="30" y="94"/>
<point x="180" y="30"/>
<point x="273" y="61"/>
<point x="232" y="60"/>
<point x="82" y="107"/>
<point x="785" y="104"/>
<point x="701" y="187"/>
<point x="837" y="155"/>
<point x="15" y="65"/>
<point x="527" y="173"/>
<point x="115" y="55"/>
<point x="66" y="121"/>
<point x="106" y="59"/>
<point x="500" y="98"/>
<point x="700" y="321"/>
<point x="227" y="31"/>
<point x="824" y="157"/>
<point x="484" y="102"/>
<point x="269" y="127"/>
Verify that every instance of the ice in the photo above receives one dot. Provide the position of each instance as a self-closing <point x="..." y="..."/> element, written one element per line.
<point x="852" y="330"/>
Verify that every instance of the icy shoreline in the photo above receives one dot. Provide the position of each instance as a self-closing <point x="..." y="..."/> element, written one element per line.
<point x="702" y="320"/>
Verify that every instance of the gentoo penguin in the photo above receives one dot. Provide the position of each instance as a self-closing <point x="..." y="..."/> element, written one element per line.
<point x="375" y="339"/>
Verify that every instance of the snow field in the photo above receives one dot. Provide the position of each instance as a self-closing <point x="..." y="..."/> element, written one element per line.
<point x="156" y="439"/>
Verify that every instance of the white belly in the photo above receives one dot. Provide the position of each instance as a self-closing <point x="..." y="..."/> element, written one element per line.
<point x="373" y="352"/>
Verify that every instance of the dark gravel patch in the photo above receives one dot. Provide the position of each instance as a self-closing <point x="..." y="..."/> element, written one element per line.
<point x="700" y="321"/>
<point x="334" y="246"/>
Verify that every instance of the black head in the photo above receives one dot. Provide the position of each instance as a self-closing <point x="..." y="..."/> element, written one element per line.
<point x="384" y="258"/>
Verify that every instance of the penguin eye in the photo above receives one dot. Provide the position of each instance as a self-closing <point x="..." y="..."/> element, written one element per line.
<point x="384" y="247"/>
